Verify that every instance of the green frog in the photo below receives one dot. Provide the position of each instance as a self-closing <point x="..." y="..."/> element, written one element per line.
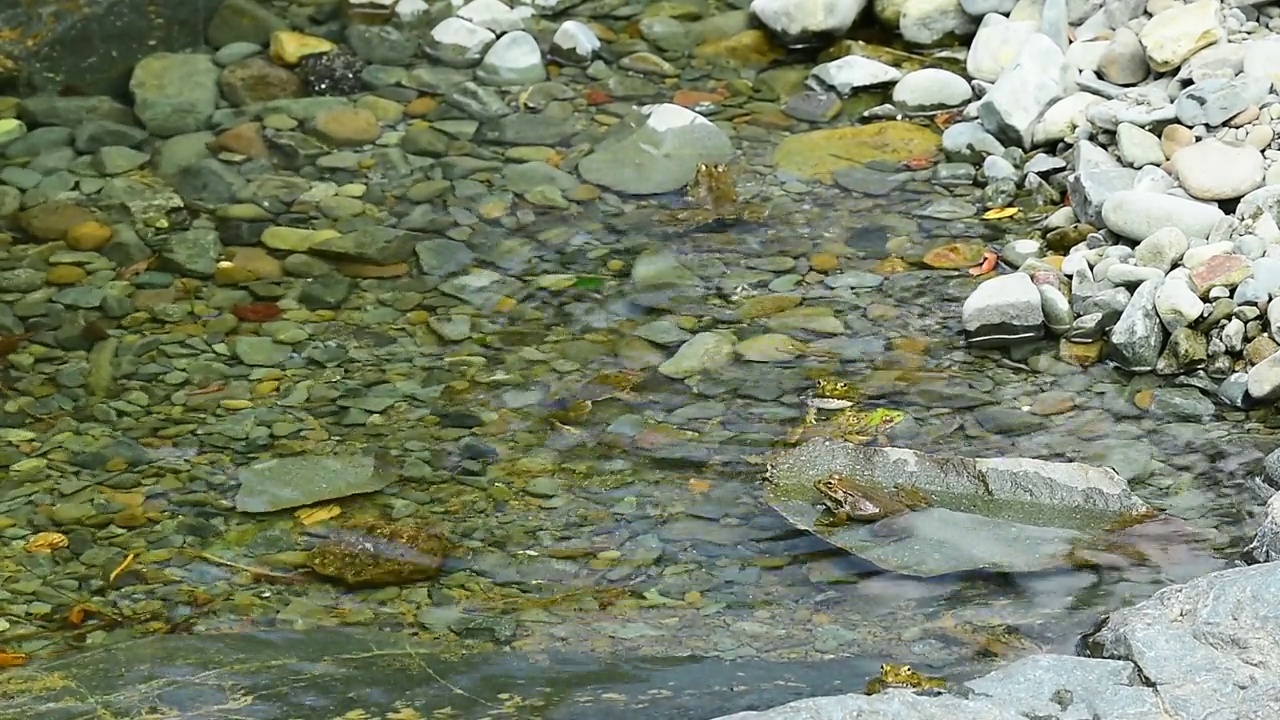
<point x="850" y="423"/>
<point x="894" y="675"/>
<point x="851" y="501"/>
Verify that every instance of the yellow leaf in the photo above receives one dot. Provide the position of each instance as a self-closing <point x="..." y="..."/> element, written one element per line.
<point x="698" y="486"/>
<point x="1000" y="213"/>
<point x="46" y="542"/>
<point x="8" y="659"/>
<point x="124" y="565"/>
<point x="313" y="515"/>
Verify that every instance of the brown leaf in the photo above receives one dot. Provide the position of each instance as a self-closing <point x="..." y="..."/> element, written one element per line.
<point x="8" y="659"/>
<point x="46" y="542"/>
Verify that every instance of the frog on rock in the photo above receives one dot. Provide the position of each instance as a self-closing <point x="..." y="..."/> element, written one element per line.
<point x="895" y="675"/>
<point x="848" y="500"/>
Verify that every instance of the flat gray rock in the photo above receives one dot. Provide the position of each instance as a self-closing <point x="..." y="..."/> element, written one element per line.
<point x="1007" y="514"/>
<point x="1209" y="646"/>
<point x="281" y="483"/>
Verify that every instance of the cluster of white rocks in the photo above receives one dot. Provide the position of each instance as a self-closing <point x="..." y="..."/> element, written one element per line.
<point x="1159" y="118"/>
<point x="489" y="35"/>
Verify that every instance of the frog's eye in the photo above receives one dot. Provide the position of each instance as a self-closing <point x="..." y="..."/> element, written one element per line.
<point x="884" y="668"/>
<point x="906" y="669"/>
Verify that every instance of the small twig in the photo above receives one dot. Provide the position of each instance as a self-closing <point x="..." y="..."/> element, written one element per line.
<point x="257" y="572"/>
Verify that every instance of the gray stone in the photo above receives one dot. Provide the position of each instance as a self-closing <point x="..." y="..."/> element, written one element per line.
<point x="260" y="351"/>
<point x="1216" y="100"/>
<point x="282" y="483"/>
<point x="702" y="352"/>
<point x="657" y="152"/>
<point x="1138" y="336"/>
<point x="1003" y="311"/>
<point x="175" y="93"/>
<point x="1210" y="632"/>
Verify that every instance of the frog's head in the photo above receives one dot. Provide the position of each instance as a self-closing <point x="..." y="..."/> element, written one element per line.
<point x="895" y="673"/>
<point x="828" y="484"/>
<point x="835" y="388"/>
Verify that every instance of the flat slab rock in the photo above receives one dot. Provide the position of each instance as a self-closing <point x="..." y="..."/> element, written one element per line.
<point x="1205" y="649"/>
<point x="289" y="482"/>
<point x="1007" y="514"/>
<point x="1048" y="687"/>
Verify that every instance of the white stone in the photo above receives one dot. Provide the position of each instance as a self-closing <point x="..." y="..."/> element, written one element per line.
<point x="494" y="15"/>
<point x="1063" y="118"/>
<point x="925" y="22"/>
<point x="1262" y="58"/>
<point x="796" y="19"/>
<point x="931" y="89"/>
<point x="1264" y="378"/>
<point x="996" y="45"/>
<point x="1216" y="170"/>
<point x="1053" y="22"/>
<point x="1177" y="33"/>
<point x="1196" y="256"/>
<point x="1086" y="55"/>
<point x="515" y="59"/>
<point x="851" y="72"/>
<point x="1003" y="310"/>
<point x="1177" y="303"/>
<point x="1135" y="215"/>
<point x="574" y="43"/>
<point x="458" y="43"/>
<point x="408" y="10"/>
<point x="1038" y="77"/>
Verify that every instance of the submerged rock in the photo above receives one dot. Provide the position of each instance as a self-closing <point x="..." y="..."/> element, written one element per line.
<point x="380" y="554"/>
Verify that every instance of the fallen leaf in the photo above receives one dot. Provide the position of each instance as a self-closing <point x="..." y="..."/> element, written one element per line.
<point x="1003" y="213"/>
<point x="124" y="565"/>
<point x="313" y="515"/>
<point x="946" y="119"/>
<point x="8" y="659"/>
<point x="46" y="542"/>
<point x="918" y="163"/>
<point x="698" y="486"/>
<point x="987" y="265"/>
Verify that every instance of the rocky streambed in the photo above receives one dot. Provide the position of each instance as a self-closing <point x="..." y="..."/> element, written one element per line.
<point x="475" y="328"/>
